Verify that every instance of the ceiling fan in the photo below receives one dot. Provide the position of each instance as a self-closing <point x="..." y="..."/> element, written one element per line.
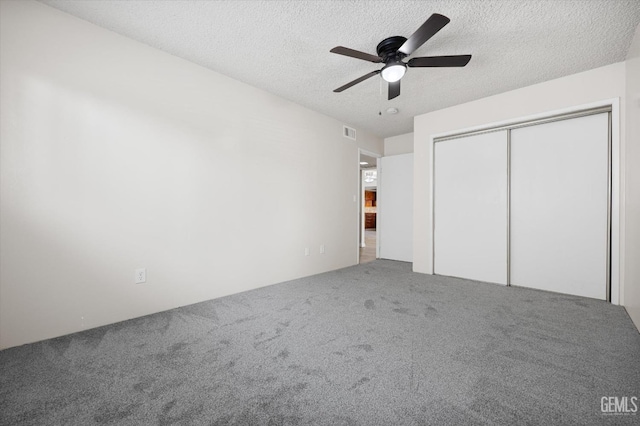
<point x="391" y="51"/>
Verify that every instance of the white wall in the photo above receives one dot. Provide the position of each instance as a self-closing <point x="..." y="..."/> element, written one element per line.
<point x="591" y="86"/>
<point x="632" y="182"/>
<point x="116" y="156"/>
<point x="397" y="145"/>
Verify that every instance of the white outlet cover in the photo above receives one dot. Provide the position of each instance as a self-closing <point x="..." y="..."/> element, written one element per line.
<point x="141" y="275"/>
<point x="306" y="251"/>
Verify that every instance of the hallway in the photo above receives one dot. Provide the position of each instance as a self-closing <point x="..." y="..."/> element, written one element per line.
<point x="368" y="253"/>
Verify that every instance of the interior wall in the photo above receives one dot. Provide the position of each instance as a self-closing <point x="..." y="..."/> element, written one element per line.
<point x="397" y="145"/>
<point x="632" y="183"/>
<point x="587" y="87"/>
<point x="117" y="156"/>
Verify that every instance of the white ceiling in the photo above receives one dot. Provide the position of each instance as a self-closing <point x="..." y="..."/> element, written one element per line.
<point x="283" y="46"/>
<point x="371" y="161"/>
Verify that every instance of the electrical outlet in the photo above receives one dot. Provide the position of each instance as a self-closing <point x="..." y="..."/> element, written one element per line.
<point x="321" y="248"/>
<point x="306" y="251"/>
<point x="141" y="275"/>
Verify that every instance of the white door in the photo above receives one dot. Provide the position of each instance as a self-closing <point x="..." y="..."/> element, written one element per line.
<point x="559" y="202"/>
<point x="395" y="208"/>
<point x="470" y="214"/>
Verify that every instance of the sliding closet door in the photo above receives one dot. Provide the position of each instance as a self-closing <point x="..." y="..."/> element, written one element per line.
<point x="559" y="202"/>
<point x="470" y="207"/>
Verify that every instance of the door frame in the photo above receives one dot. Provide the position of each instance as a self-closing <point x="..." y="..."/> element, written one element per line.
<point x="360" y="232"/>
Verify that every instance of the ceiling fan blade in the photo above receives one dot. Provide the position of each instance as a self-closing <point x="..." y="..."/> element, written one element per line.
<point x="356" y="81"/>
<point x="355" y="54"/>
<point x="394" y="89"/>
<point x="431" y="26"/>
<point x="440" y="61"/>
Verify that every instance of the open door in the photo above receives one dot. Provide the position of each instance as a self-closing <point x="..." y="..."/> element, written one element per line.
<point x="395" y="218"/>
<point x="368" y="211"/>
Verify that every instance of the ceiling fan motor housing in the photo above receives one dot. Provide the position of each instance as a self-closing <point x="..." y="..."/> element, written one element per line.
<point x="388" y="49"/>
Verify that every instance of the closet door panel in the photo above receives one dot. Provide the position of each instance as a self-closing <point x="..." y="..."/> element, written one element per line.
<point x="470" y="207"/>
<point x="559" y="202"/>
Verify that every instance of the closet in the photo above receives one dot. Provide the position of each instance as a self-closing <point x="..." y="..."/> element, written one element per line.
<point x="527" y="205"/>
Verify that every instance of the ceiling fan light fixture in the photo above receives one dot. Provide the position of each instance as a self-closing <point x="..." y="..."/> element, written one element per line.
<point x="392" y="50"/>
<point x="393" y="71"/>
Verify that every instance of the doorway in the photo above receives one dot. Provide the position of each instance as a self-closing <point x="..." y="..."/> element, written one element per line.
<point x="368" y="210"/>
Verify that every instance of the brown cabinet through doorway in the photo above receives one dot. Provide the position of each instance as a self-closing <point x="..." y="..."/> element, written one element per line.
<point x="370" y="209"/>
<point x="369" y="220"/>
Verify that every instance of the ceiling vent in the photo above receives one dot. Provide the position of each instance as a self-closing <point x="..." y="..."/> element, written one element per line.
<point x="349" y="132"/>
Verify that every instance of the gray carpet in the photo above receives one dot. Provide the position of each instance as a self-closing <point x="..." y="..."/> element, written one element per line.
<point x="373" y="344"/>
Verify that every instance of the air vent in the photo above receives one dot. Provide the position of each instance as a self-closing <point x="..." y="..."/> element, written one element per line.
<point x="348" y="132"/>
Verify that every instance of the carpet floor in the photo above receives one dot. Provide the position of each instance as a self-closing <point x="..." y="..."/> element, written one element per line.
<point x="373" y="344"/>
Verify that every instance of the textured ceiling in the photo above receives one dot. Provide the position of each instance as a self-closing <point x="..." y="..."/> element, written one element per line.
<point x="283" y="46"/>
